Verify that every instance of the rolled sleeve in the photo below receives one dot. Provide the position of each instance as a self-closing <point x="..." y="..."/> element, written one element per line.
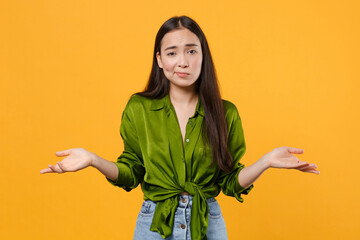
<point x="230" y="185"/>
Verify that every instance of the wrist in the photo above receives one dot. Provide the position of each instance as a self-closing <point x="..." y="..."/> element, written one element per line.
<point x="265" y="162"/>
<point x="94" y="160"/>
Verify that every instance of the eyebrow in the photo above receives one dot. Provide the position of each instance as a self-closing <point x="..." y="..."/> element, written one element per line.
<point x="187" y="45"/>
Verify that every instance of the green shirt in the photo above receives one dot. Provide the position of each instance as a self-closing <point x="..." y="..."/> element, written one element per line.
<point x="155" y="156"/>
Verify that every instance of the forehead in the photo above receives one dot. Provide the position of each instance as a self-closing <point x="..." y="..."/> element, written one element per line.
<point x="179" y="37"/>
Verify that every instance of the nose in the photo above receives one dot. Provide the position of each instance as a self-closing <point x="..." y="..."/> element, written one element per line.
<point x="183" y="62"/>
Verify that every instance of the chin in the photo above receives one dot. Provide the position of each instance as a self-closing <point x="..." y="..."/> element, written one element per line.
<point x="183" y="84"/>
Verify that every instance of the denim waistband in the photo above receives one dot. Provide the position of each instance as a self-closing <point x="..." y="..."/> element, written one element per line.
<point x="186" y="200"/>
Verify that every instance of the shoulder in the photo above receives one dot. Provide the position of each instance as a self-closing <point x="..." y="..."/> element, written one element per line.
<point x="137" y="103"/>
<point x="229" y="106"/>
<point x="137" y="99"/>
<point x="231" y="112"/>
<point x="232" y="117"/>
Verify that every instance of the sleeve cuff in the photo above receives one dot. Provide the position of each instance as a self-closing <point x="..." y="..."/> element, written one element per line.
<point x="123" y="177"/>
<point x="240" y="190"/>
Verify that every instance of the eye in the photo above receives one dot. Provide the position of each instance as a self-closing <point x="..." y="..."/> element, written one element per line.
<point x="170" y="54"/>
<point x="192" y="51"/>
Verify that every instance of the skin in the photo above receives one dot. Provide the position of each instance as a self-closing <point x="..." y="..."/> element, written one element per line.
<point x="181" y="53"/>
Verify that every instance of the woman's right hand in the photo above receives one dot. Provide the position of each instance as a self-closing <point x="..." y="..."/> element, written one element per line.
<point x="76" y="159"/>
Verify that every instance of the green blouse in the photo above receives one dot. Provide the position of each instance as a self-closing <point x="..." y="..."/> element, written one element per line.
<point x="155" y="156"/>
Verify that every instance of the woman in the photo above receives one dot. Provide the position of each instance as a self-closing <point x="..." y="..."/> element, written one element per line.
<point x="182" y="142"/>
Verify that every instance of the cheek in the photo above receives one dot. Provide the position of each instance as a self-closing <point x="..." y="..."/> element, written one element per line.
<point x="197" y="64"/>
<point x="169" y="64"/>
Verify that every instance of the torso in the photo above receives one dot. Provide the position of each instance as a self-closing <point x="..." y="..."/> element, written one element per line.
<point x="183" y="114"/>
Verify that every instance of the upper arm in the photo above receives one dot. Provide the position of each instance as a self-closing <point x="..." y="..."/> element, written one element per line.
<point x="130" y="162"/>
<point x="236" y="144"/>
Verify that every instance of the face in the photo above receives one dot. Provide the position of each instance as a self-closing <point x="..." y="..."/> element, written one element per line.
<point x="180" y="58"/>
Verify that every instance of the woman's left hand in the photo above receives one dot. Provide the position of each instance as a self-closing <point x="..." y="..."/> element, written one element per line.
<point x="283" y="157"/>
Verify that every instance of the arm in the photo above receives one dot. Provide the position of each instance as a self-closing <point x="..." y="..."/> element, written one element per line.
<point x="240" y="180"/>
<point x="127" y="172"/>
<point x="278" y="158"/>
<point x="107" y="168"/>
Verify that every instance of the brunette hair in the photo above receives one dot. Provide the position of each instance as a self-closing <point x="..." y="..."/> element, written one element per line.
<point x="207" y="89"/>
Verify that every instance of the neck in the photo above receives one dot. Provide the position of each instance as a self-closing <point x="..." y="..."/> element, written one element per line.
<point x="182" y="96"/>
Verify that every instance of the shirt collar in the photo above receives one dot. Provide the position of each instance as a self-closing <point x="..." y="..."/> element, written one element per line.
<point x="165" y="102"/>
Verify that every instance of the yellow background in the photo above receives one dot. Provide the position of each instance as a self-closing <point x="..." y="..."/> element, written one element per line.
<point x="67" y="69"/>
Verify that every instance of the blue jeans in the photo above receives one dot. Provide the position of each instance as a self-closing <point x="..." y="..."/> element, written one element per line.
<point x="181" y="230"/>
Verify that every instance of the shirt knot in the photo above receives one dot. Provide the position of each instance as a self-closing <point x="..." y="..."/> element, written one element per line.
<point x="165" y="210"/>
<point x="191" y="188"/>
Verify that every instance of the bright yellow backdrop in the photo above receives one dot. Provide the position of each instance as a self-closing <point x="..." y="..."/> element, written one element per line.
<point x="68" y="67"/>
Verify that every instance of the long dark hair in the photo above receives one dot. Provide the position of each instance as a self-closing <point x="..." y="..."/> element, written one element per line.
<point x="207" y="89"/>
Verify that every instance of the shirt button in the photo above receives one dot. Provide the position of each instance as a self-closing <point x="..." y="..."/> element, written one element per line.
<point x="182" y="226"/>
<point x="187" y="140"/>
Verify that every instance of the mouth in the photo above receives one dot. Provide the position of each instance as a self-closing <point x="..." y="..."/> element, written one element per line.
<point x="182" y="74"/>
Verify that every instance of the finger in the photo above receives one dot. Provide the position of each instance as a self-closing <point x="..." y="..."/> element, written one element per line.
<point x="55" y="168"/>
<point x="59" y="170"/>
<point x="52" y="168"/>
<point x="305" y="168"/>
<point x="311" y="171"/>
<point x="310" y="166"/>
<point x="296" y="164"/>
<point x="63" y="153"/>
<point x="301" y="165"/>
<point x="46" y="170"/>
<point x="295" y="150"/>
<point x="61" y="166"/>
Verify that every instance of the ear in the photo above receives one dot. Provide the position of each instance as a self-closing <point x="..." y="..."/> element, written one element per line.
<point x="158" y="58"/>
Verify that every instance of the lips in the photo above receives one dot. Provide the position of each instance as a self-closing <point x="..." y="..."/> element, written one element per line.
<point x="182" y="74"/>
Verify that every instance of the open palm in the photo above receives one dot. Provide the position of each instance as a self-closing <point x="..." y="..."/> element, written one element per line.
<point x="75" y="159"/>
<point x="283" y="157"/>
